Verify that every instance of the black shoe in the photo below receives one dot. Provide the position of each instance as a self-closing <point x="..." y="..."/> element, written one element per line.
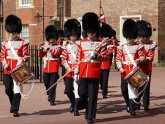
<point x="146" y="109"/>
<point x="11" y="110"/>
<point x="52" y="103"/>
<point x="15" y="114"/>
<point x="138" y="107"/>
<point x="127" y="109"/>
<point x="71" y="109"/>
<point x="133" y="113"/>
<point x="104" y="96"/>
<point x="76" y="113"/>
<point x="90" y="121"/>
<point x="85" y="115"/>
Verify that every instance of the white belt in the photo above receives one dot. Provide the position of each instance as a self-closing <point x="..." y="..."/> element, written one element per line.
<point x="71" y="62"/>
<point x="13" y="57"/>
<point x="50" y="58"/>
<point x="127" y="63"/>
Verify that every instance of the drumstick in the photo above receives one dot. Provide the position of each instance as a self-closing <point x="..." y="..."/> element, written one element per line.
<point x="104" y="41"/>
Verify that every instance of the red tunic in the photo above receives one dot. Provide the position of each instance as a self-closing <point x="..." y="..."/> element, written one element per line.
<point x="91" y="69"/>
<point x="149" y="49"/>
<point x="51" y="59"/>
<point x="106" y="64"/>
<point x="21" y="48"/>
<point x="122" y="58"/>
<point x="70" y="57"/>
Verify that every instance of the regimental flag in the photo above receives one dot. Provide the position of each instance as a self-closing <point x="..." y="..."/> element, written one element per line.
<point x="102" y="16"/>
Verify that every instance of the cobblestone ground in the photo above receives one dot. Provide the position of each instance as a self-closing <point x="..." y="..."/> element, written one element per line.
<point x="36" y="110"/>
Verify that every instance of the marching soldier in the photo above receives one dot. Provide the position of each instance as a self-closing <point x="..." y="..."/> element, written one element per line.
<point x="50" y="52"/>
<point x="70" y="56"/>
<point x="144" y="34"/>
<point x="106" y="31"/>
<point x="127" y="55"/>
<point x="10" y="60"/>
<point x="89" y="69"/>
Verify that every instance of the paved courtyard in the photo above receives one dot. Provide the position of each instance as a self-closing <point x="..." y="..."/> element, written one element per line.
<point x="36" y="110"/>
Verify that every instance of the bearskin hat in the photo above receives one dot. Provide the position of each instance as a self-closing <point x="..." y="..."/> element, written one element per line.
<point x="13" y="24"/>
<point x="113" y="33"/>
<point x="51" y="33"/>
<point x="61" y="33"/>
<point x="130" y="29"/>
<point x="72" y="26"/>
<point x="144" y="28"/>
<point x="106" y="31"/>
<point x="91" y="23"/>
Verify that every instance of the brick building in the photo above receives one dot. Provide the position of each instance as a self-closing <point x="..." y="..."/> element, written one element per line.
<point x="116" y="11"/>
<point x="31" y="13"/>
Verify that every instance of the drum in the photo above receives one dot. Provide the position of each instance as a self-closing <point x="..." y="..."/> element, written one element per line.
<point x="137" y="78"/>
<point x="21" y="73"/>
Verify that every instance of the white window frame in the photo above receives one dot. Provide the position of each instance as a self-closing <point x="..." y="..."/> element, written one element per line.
<point x="25" y="33"/>
<point x="21" y="5"/>
<point x="122" y="20"/>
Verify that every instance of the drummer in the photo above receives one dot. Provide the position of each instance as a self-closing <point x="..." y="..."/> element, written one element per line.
<point x="9" y="60"/>
<point x="124" y="63"/>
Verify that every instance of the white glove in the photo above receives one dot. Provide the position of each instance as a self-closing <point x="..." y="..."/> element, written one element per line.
<point x="153" y="46"/>
<point x="6" y="66"/>
<point x="93" y="55"/>
<point x="138" y="61"/>
<point x="121" y="70"/>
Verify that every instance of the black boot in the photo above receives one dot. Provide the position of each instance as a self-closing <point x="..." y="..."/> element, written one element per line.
<point x="127" y="109"/>
<point x="132" y="112"/>
<point x="71" y="109"/>
<point x="138" y="107"/>
<point x="146" y="108"/>
<point x="52" y="103"/>
<point x="104" y="96"/>
<point x="11" y="109"/>
<point x="90" y="121"/>
<point x="15" y="114"/>
<point x="76" y="112"/>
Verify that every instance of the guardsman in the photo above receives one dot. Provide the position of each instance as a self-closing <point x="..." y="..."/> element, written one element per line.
<point x="50" y="51"/>
<point x="10" y="60"/>
<point x="89" y="69"/>
<point x="70" y="57"/>
<point x="144" y="34"/>
<point x="106" y="31"/>
<point x="127" y="55"/>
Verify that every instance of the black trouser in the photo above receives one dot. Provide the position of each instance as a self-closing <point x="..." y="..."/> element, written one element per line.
<point x="63" y="72"/>
<point x="146" y="94"/>
<point x="88" y="91"/>
<point x="13" y="98"/>
<point x="49" y="80"/>
<point x="129" y="102"/>
<point x="104" y="81"/>
<point x="69" y="89"/>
